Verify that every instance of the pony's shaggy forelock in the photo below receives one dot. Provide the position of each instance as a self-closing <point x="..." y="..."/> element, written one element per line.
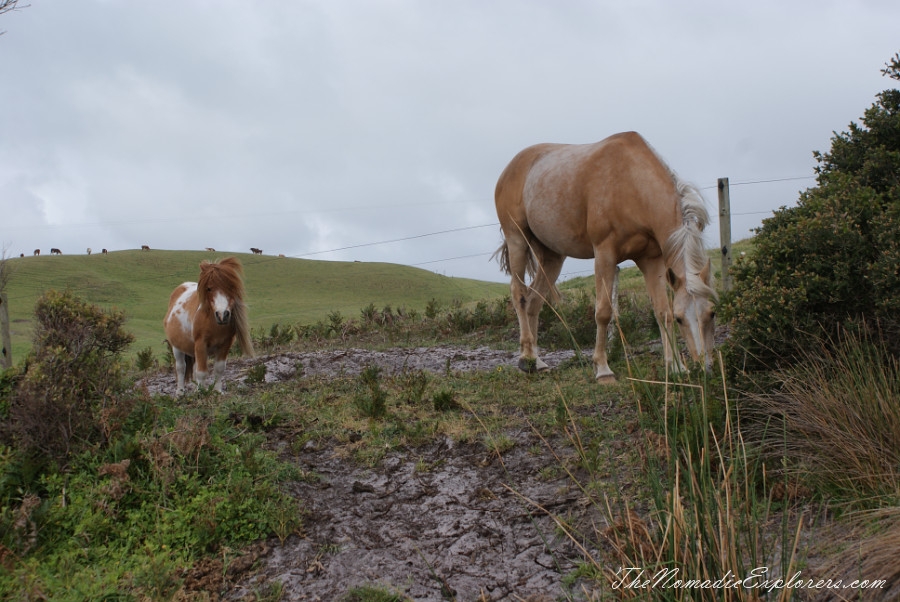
<point x="227" y="275"/>
<point x="686" y="243"/>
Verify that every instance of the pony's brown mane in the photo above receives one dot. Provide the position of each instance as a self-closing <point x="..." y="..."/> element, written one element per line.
<point x="226" y="275"/>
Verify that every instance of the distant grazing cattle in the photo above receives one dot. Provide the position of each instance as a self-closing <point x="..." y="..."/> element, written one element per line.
<point x="37" y="252"/>
<point x="255" y="251"/>
<point x="89" y="250"/>
<point x="105" y="251"/>
<point x="55" y="251"/>
<point x="210" y="249"/>
<point x="145" y="248"/>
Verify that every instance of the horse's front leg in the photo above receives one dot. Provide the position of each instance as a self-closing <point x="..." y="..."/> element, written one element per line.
<point x="604" y="282"/>
<point x="219" y="372"/>
<point x="201" y="363"/>
<point x="655" y="277"/>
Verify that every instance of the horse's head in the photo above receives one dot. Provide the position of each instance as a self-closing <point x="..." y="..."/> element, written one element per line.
<point x="220" y="288"/>
<point x="694" y="307"/>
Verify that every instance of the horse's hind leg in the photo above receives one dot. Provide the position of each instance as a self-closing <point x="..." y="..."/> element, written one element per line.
<point x="518" y="252"/>
<point x="528" y="300"/>
<point x="180" y="367"/>
<point x="543" y="289"/>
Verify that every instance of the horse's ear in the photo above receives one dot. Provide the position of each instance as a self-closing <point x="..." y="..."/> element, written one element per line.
<point x="672" y="278"/>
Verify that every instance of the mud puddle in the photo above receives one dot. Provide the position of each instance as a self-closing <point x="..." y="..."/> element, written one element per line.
<point x="445" y="522"/>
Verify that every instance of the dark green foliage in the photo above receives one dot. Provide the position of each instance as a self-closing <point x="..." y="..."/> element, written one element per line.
<point x="371" y="399"/>
<point x="145" y="360"/>
<point x="73" y="382"/>
<point x="496" y="314"/>
<point x="831" y="261"/>
<point x="256" y="374"/>
<point x="413" y="383"/>
<point x="445" y="401"/>
<point x="277" y="336"/>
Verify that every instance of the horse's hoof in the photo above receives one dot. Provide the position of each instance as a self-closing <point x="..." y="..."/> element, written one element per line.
<point x="532" y="365"/>
<point x="528" y="364"/>
<point x="606" y="379"/>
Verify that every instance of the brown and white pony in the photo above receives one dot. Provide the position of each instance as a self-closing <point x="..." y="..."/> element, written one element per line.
<point x="611" y="201"/>
<point x="203" y="321"/>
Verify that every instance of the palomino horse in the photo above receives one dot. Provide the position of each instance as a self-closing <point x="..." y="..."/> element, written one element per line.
<point x="610" y="201"/>
<point x="203" y="320"/>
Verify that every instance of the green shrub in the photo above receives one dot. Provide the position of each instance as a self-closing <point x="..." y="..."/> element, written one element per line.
<point x="256" y="374"/>
<point x="145" y="360"/>
<point x="832" y="260"/>
<point x="371" y="399"/>
<point x="72" y="386"/>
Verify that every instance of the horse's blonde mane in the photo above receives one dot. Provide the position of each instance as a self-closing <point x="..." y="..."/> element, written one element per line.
<point x="686" y="242"/>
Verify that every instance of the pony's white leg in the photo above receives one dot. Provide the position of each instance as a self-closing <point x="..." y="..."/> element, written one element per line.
<point x="655" y="276"/>
<point x="180" y="365"/>
<point x="219" y="375"/>
<point x="201" y="360"/>
<point x="604" y="280"/>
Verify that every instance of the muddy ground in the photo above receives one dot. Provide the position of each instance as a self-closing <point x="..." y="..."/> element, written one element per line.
<point x="444" y="522"/>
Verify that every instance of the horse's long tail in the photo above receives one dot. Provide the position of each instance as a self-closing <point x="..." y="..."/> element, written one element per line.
<point x="532" y="267"/>
<point x="502" y="257"/>
<point x="242" y="329"/>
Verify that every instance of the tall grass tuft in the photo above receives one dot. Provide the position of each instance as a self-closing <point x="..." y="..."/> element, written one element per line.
<point x="706" y="528"/>
<point x="872" y="555"/>
<point x="836" y="416"/>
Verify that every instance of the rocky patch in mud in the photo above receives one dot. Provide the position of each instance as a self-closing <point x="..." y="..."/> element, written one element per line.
<point x="349" y="362"/>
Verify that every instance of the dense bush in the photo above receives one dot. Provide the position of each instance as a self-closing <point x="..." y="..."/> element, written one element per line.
<point x="69" y="394"/>
<point x="832" y="261"/>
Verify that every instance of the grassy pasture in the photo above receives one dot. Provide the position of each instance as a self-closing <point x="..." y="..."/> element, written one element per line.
<point x="279" y="290"/>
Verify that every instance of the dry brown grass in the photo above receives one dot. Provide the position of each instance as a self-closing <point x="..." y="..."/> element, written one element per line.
<point x="836" y="416"/>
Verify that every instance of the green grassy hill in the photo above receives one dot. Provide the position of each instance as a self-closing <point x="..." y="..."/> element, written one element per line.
<point x="279" y="290"/>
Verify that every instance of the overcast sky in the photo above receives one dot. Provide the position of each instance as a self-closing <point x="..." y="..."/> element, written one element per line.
<point x="376" y="130"/>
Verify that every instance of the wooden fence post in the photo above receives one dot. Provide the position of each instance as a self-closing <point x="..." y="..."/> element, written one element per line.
<point x="5" y="341"/>
<point x="725" y="232"/>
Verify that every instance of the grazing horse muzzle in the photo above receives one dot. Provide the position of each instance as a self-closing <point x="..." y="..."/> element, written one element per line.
<point x="223" y="317"/>
<point x="696" y="318"/>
